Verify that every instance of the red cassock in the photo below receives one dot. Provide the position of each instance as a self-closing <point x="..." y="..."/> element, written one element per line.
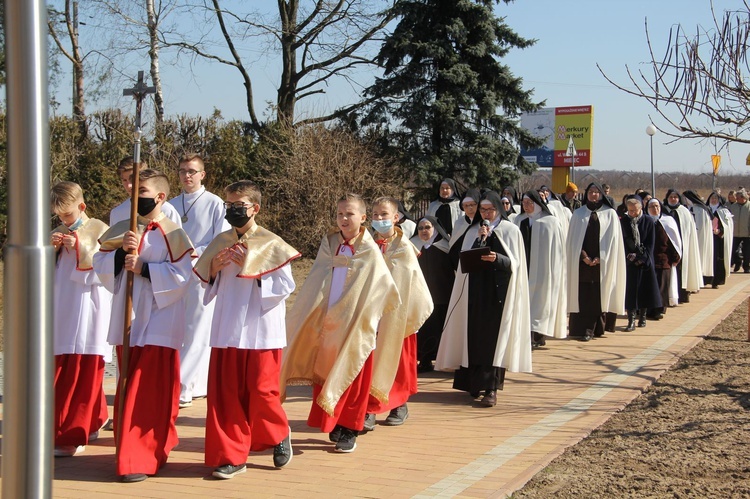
<point x="351" y="408"/>
<point x="244" y="409"/>
<point x="405" y="384"/>
<point x="150" y="411"/>
<point x="80" y="404"/>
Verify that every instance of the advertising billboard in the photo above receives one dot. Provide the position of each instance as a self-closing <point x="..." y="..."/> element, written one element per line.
<point x="557" y="125"/>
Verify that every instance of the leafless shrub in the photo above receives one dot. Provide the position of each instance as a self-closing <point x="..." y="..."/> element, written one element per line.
<point x="309" y="169"/>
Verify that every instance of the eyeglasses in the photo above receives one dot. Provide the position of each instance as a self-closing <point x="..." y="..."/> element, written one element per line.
<point x="238" y="205"/>
<point x="189" y="173"/>
<point x="487" y="210"/>
<point x="470" y="205"/>
<point x="506" y="202"/>
<point x="424" y="227"/>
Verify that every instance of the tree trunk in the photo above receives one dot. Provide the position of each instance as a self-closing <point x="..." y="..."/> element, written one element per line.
<point x="153" y="53"/>
<point x="286" y="95"/>
<point x="79" y="107"/>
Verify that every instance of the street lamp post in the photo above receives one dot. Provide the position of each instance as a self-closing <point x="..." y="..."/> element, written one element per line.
<point x="650" y="131"/>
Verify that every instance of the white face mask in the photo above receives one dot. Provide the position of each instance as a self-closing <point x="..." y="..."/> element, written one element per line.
<point x="382" y="226"/>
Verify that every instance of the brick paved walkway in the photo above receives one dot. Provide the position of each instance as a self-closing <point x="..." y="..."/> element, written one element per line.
<point x="447" y="448"/>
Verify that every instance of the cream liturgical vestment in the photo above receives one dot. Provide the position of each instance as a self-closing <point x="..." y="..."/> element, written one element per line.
<point x="513" y="347"/>
<point x="82" y="305"/>
<point x="611" y="257"/>
<point x="250" y="312"/>
<point x="416" y="306"/>
<point x="158" y="306"/>
<point x="548" y="299"/>
<point x="328" y="345"/>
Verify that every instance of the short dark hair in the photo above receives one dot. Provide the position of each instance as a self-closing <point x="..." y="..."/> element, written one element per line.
<point x="245" y="188"/>
<point x="158" y="178"/>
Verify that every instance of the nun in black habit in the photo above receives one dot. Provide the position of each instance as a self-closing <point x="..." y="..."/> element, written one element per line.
<point x="432" y="242"/>
<point x="486" y="292"/>
<point x="447" y="208"/>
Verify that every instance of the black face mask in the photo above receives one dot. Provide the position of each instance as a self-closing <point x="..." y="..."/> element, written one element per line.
<point x="146" y="206"/>
<point x="237" y="217"/>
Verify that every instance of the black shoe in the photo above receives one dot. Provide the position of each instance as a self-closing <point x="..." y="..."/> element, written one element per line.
<point x="133" y="477"/>
<point x="586" y="337"/>
<point x="369" y="422"/>
<point x="489" y="399"/>
<point x="282" y="453"/>
<point x="348" y="440"/>
<point x="335" y="435"/>
<point x="229" y="471"/>
<point x="631" y="321"/>
<point x="425" y="367"/>
<point x="474" y="395"/>
<point x="397" y="416"/>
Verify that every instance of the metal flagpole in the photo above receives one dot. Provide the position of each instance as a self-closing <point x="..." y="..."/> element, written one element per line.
<point x="138" y="92"/>
<point x="28" y="401"/>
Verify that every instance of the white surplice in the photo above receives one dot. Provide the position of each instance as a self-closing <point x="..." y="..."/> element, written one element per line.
<point x="158" y="313"/>
<point x="82" y="307"/>
<point x="205" y="220"/>
<point x="250" y="313"/>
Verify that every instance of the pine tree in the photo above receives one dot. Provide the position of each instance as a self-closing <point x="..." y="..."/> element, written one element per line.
<point x="447" y="103"/>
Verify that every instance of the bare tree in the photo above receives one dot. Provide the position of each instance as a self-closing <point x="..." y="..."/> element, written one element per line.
<point x="135" y="27"/>
<point x="67" y="20"/>
<point x="699" y="87"/>
<point x="317" y="41"/>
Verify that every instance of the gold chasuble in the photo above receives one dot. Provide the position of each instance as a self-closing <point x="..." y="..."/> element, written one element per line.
<point x="416" y="306"/>
<point x="178" y="242"/>
<point x="329" y="346"/>
<point x="266" y="252"/>
<point x="87" y="240"/>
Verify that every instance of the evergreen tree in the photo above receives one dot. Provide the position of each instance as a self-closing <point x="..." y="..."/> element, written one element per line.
<point x="445" y="101"/>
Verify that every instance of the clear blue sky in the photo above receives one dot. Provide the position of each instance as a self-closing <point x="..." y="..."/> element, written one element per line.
<point x="561" y="68"/>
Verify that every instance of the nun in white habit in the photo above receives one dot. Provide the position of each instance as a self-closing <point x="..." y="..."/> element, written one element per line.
<point x="544" y="242"/>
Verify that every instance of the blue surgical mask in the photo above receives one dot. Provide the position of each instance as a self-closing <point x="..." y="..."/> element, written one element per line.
<point x="76" y="225"/>
<point x="382" y="226"/>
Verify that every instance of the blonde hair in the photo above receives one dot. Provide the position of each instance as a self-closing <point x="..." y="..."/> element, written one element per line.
<point x="350" y="197"/>
<point x="192" y="156"/>
<point x="160" y="181"/>
<point x="387" y="200"/>
<point x="245" y="188"/>
<point x="64" y="194"/>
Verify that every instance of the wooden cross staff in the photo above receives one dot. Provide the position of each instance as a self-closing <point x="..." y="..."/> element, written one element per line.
<point x="138" y="92"/>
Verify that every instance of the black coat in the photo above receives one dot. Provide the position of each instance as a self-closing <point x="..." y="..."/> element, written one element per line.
<point x="641" y="287"/>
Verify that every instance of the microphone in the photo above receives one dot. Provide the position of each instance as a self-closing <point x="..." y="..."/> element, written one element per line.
<point x="483" y="239"/>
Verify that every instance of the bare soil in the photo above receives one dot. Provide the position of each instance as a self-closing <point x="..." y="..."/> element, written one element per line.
<point x="688" y="435"/>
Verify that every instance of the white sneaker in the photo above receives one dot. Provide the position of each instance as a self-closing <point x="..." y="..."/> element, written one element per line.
<point x="95" y="435"/>
<point x="68" y="450"/>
